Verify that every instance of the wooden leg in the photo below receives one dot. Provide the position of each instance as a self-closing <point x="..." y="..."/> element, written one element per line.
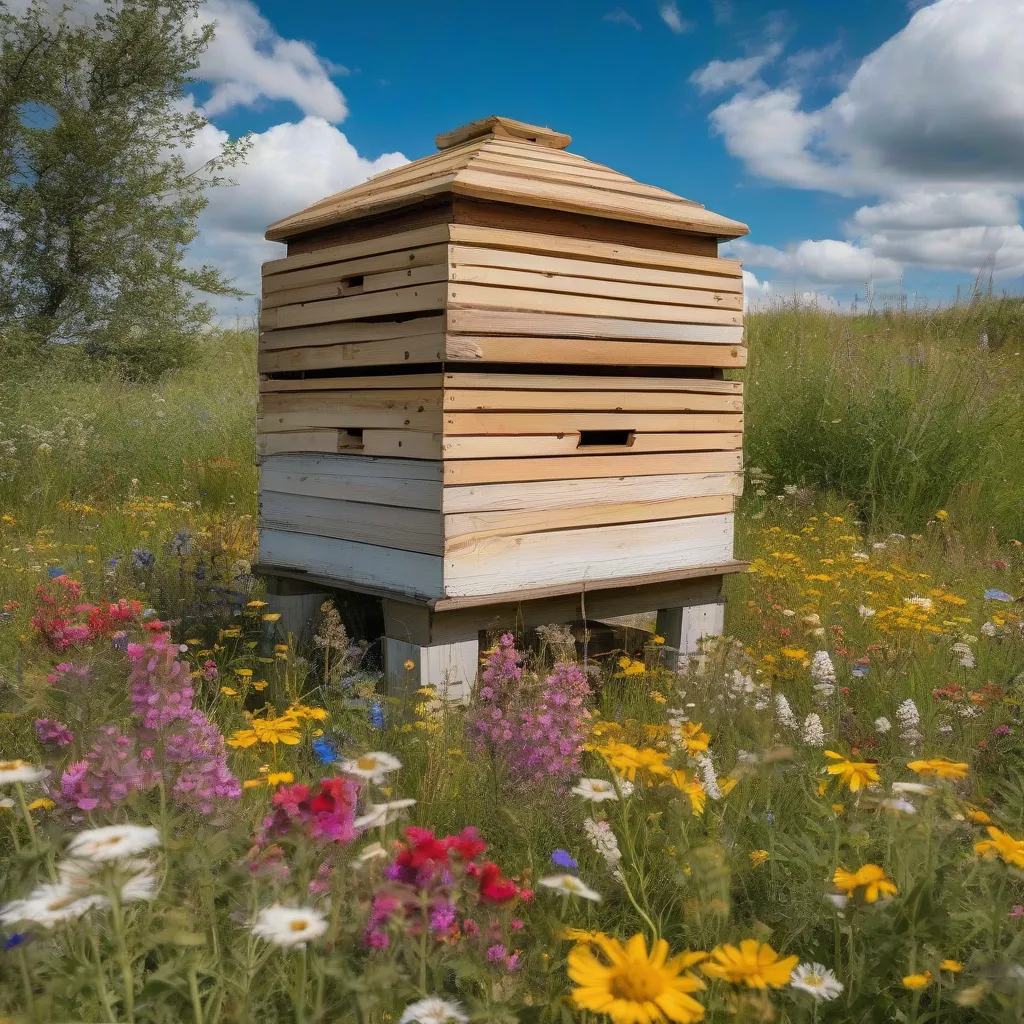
<point x="297" y="603"/>
<point x="450" y="668"/>
<point x="682" y="627"/>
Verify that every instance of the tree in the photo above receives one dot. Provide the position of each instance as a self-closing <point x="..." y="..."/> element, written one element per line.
<point x="97" y="203"/>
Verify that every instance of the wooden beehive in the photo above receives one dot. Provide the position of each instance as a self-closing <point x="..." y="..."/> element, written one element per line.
<point x="497" y="371"/>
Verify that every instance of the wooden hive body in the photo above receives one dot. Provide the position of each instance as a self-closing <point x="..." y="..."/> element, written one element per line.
<point x="497" y="371"/>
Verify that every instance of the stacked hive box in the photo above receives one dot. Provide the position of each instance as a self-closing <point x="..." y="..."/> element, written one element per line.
<point x="497" y="371"/>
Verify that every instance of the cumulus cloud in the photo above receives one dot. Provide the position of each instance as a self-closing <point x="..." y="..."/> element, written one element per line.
<point x="925" y="211"/>
<point x="669" y="12"/>
<point x="828" y="260"/>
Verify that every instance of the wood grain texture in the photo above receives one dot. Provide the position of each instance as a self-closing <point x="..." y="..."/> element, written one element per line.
<point x="492" y="423"/>
<point x="416" y="299"/>
<point x="492" y="399"/>
<point x="429" y="348"/>
<point x="606" y="328"/>
<point x="276" y="385"/>
<point x="497" y="564"/>
<point x="361" y="284"/>
<point x="403" y="528"/>
<point x="383" y="242"/>
<point x="406" y="444"/>
<point x="546" y="495"/>
<point x="328" y="271"/>
<point x="297" y="441"/>
<point x="343" y="333"/>
<point x="590" y="380"/>
<point x="533" y="445"/>
<point x="578" y="467"/>
<point x="369" y="565"/>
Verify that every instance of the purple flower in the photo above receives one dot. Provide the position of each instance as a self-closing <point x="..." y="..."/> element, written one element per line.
<point x="564" y="859"/>
<point x="998" y="595"/>
<point x="497" y="953"/>
<point x="53" y="733"/>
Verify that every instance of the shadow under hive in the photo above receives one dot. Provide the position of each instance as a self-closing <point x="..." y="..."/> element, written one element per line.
<point x="493" y="378"/>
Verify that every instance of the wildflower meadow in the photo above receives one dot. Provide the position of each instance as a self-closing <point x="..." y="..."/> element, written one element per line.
<point x="817" y="817"/>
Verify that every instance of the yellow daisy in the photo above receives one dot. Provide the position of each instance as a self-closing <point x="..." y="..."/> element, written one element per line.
<point x="754" y="964"/>
<point x="855" y="774"/>
<point x="871" y="878"/>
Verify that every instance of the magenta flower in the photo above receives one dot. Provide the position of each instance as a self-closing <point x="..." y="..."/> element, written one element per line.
<point x="53" y="733"/>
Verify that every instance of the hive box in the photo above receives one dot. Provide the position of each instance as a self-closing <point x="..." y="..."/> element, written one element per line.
<point x="495" y="375"/>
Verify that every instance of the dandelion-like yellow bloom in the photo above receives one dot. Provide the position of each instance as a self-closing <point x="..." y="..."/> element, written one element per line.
<point x="1001" y="844"/>
<point x="307" y="713"/>
<point x="634" y="987"/>
<point x="953" y="966"/>
<point x="754" y="964"/>
<point x="855" y="774"/>
<point x="940" y="768"/>
<point x="871" y="878"/>
<point x="916" y="982"/>
<point x="581" y="935"/>
<point x="695" y="740"/>
<point x="794" y="653"/>
<point x="692" y="788"/>
<point x="242" y="739"/>
<point x="758" y="857"/>
<point x="977" y="815"/>
<point x="277" y="730"/>
<point x="628" y="760"/>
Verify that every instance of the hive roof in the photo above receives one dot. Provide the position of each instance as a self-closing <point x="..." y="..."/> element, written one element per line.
<point x="501" y="160"/>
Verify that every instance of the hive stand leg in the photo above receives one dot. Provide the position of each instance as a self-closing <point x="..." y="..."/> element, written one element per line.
<point x="450" y="668"/>
<point x="683" y="626"/>
<point x="297" y="603"/>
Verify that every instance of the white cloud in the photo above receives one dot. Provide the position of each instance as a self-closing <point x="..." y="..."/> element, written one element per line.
<point x="922" y="210"/>
<point x="622" y="17"/>
<point x="722" y="74"/>
<point x="289" y="167"/>
<point x="248" y="61"/>
<point x="669" y="12"/>
<point x="964" y="249"/>
<point x="764" y="295"/>
<point x="828" y="261"/>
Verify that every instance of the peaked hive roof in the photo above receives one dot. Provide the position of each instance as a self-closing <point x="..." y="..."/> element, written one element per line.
<point x="501" y="160"/>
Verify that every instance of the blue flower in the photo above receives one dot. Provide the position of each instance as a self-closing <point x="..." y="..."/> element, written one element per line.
<point x="998" y="595"/>
<point x="14" y="941"/>
<point x="859" y="670"/>
<point x="182" y="543"/>
<point x="564" y="859"/>
<point x="54" y="571"/>
<point x="769" y="817"/>
<point x="324" y="751"/>
<point x="377" y="716"/>
<point x="142" y="559"/>
<point x="112" y="561"/>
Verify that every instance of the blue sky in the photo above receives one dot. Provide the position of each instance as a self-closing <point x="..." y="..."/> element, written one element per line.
<point x="873" y="140"/>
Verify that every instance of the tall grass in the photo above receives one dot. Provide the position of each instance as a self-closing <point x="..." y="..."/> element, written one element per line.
<point x="902" y="413"/>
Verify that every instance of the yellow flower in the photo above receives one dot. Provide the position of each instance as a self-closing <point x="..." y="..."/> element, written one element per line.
<point x="261" y="685"/>
<point x="953" y="966"/>
<point x="42" y="804"/>
<point x="245" y="673"/>
<point x="634" y="987"/>
<point x="627" y="760"/>
<point x="758" y="857"/>
<point x="871" y="878"/>
<point x="1003" y="845"/>
<point x="915" y="982"/>
<point x="242" y="739"/>
<point x="692" y="788"/>
<point x="271" y="616"/>
<point x="305" y="712"/>
<point x="252" y="783"/>
<point x="977" y="815"/>
<point x="940" y="767"/>
<point x="277" y="778"/>
<point x="854" y="774"/>
<point x="727" y="785"/>
<point x="257" y="604"/>
<point x="754" y="964"/>
<point x="796" y="653"/>
<point x="658" y="697"/>
<point x="694" y="740"/>
<point x="942" y="515"/>
<point x="277" y="730"/>
<point x="282" y="648"/>
<point x="657" y="639"/>
<point x="579" y="935"/>
<point x="228" y="692"/>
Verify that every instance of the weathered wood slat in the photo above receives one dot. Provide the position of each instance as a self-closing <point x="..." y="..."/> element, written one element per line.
<point x="486" y="471"/>
<point x="341" y="333"/>
<point x="493" y="423"/>
<point x="274" y="385"/>
<point x="493" y="399"/>
<point x="344" y="401"/>
<point x="372" y="565"/>
<point x="686" y="299"/>
<point x="416" y="299"/>
<point x="462" y="256"/>
<point x="488" y="297"/>
<point x="476" y="526"/>
<point x="608" y="552"/>
<point x="367" y="283"/>
<point x="328" y="272"/>
<point x="406" y="444"/>
<point x="590" y="381"/>
<point x="546" y="495"/>
<point x="297" y="441"/>
<point x="405" y="528"/>
<point x="429" y="348"/>
<point x="526" y="446"/>
<point x="609" y="252"/>
<point x="353" y="418"/>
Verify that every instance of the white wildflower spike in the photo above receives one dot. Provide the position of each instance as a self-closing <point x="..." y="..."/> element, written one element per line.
<point x="963" y="654"/>
<point x="865" y="611"/>
<point x="925" y="603"/>
<point x="784" y="713"/>
<point x="909" y="718"/>
<point x="988" y="629"/>
<point x="708" y="777"/>
<point x="814" y="731"/>
<point x="763" y="699"/>
<point x="822" y="669"/>
<point x="379" y="815"/>
<point x="603" y="840"/>
<point x="882" y="725"/>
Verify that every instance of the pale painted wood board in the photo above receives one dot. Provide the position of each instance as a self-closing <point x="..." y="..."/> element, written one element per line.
<point x="623" y="399"/>
<point x="492" y="423"/>
<point x="526" y="446"/>
<point x="590" y="382"/>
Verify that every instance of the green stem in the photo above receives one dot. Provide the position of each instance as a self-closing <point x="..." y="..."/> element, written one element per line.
<point x="424" y="933"/>
<point x="300" y="988"/>
<point x="26" y="981"/>
<point x="127" y="978"/>
<point x="197" y="1003"/>
<point x="101" y="979"/>
<point x="19" y="789"/>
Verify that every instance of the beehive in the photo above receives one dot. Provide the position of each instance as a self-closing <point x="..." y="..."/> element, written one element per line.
<point x="497" y="371"/>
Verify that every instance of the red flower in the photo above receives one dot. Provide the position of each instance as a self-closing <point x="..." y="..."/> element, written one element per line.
<point x="423" y="847"/>
<point x="467" y="844"/>
<point x="494" y="887"/>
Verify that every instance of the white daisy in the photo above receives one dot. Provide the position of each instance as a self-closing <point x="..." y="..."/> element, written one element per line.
<point x="378" y="815"/>
<point x="20" y="771"/>
<point x="818" y="980"/>
<point x="897" y="805"/>
<point x="289" y="926"/>
<point x="596" y="790"/>
<point x="113" y="842"/>
<point x="375" y="851"/>
<point x="50" y="904"/>
<point x="373" y="766"/>
<point x="433" y="1010"/>
<point x="569" y="885"/>
<point x="918" y="788"/>
<point x="142" y="886"/>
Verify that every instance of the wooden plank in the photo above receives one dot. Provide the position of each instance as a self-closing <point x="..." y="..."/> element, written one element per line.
<point x="406" y="444"/>
<point x="608" y="252"/>
<point x="529" y="445"/>
<point x="427" y="349"/>
<point x="384" y="243"/>
<point x="327" y="272"/>
<point x="489" y="127"/>
<point x="551" y="325"/>
<point x="274" y="385"/>
<point x="546" y="495"/>
<point x="342" y="288"/>
<point x="345" y="401"/>
<point x="415" y="299"/>
<point x="629" y="291"/>
<point x="562" y="351"/>
<point x="512" y="259"/>
<point x="488" y="297"/>
<point x="373" y="481"/>
<point x="580" y="199"/>
<point x="475" y="526"/>
<point x="404" y="528"/>
<point x="369" y="565"/>
<point x="298" y="441"/>
<point x="492" y="423"/>
<point x="595" y="553"/>
<point x="589" y="381"/>
<point x="336" y="334"/>
<point x="492" y="399"/>
<point x="404" y="416"/>
<point x="644" y="584"/>
<point x="578" y="467"/>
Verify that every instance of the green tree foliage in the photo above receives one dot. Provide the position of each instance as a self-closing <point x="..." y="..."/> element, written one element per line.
<point x="98" y="203"/>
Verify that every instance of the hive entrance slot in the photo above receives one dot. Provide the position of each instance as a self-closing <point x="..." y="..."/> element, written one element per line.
<point x="352" y="284"/>
<point x="350" y="438"/>
<point x="605" y="438"/>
